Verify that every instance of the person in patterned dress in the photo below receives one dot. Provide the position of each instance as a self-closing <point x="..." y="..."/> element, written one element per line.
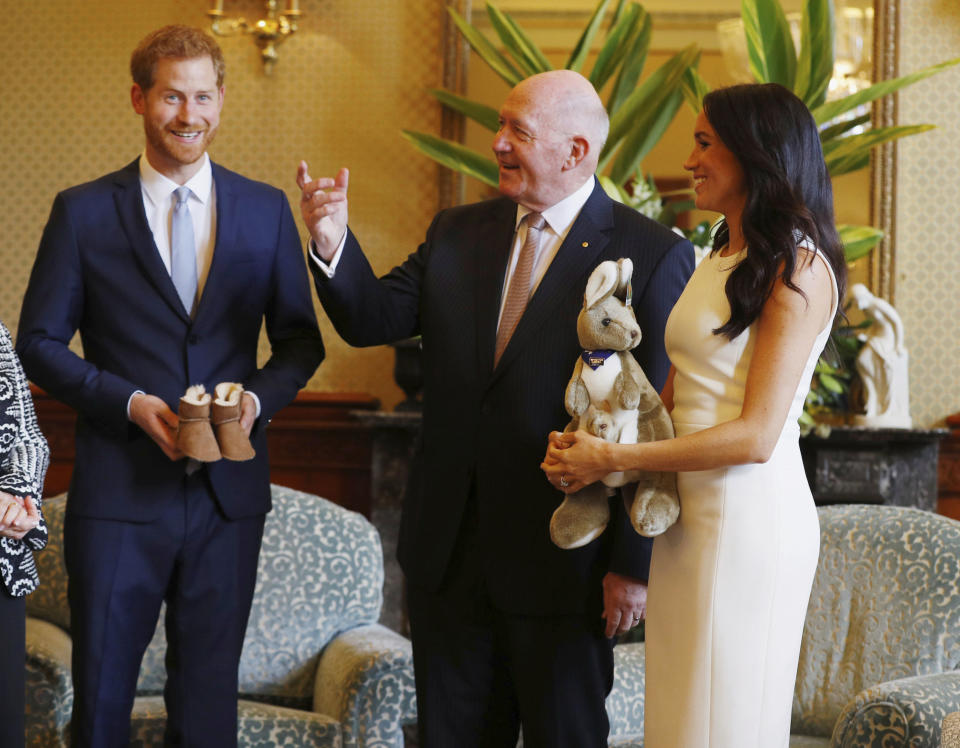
<point x="24" y="457"/>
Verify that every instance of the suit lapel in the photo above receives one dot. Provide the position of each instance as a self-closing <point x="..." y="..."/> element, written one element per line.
<point x="224" y="242"/>
<point x="491" y="252"/>
<point x="129" y="200"/>
<point x="574" y="261"/>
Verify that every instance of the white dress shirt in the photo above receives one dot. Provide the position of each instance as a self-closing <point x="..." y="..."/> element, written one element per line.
<point x="559" y="218"/>
<point x="158" y="203"/>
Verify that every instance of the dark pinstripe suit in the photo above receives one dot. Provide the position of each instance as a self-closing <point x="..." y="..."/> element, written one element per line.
<point x="477" y="474"/>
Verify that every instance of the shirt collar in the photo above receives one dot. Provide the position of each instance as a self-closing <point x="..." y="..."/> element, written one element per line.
<point x="159" y="187"/>
<point x="560" y="216"/>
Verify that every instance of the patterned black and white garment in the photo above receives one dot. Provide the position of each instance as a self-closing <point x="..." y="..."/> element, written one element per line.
<point x="24" y="457"/>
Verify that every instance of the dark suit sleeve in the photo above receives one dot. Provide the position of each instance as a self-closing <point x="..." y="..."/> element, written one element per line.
<point x="366" y="310"/>
<point x="296" y="348"/>
<point x="630" y="554"/>
<point x="53" y="307"/>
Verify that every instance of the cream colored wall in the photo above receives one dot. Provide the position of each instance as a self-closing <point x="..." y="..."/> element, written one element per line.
<point x="927" y="290"/>
<point x="352" y="77"/>
<point x="354" y="74"/>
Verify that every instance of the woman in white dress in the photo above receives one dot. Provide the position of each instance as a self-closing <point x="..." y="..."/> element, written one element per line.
<point x="729" y="583"/>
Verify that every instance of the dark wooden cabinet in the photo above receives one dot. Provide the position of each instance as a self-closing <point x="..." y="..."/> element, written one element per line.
<point x="317" y="444"/>
<point x="874" y="466"/>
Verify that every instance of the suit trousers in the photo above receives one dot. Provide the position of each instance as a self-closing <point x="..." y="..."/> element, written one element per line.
<point x="12" y="669"/>
<point x="483" y="674"/>
<point x="204" y="566"/>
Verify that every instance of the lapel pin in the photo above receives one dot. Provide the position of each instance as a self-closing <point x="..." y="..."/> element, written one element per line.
<point x="585" y="244"/>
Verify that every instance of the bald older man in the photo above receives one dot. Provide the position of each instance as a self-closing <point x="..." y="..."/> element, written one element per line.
<point x="508" y="630"/>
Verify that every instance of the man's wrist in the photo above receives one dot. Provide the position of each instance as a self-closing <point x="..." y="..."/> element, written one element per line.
<point x="328" y="267"/>
<point x="130" y="401"/>
<point x="256" y="400"/>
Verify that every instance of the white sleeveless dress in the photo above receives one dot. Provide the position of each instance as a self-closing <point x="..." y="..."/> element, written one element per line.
<point x="729" y="583"/>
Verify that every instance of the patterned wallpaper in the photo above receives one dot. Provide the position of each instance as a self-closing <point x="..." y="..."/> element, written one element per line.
<point x="928" y="212"/>
<point x="345" y="84"/>
<point x="352" y="76"/>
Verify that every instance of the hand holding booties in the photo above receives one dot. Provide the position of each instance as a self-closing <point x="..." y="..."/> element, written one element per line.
<point x="194" y="435"/>
<point x="207" y="440"/>
<point x="234" y="442"/>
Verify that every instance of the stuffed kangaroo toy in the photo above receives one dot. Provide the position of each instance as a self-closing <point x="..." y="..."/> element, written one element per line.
<point x="609" y="396"/>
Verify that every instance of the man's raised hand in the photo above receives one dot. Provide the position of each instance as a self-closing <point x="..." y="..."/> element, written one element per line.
<point x="323" y="205"/>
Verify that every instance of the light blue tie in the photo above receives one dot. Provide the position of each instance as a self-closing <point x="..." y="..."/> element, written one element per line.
<point x="183" y="251"/>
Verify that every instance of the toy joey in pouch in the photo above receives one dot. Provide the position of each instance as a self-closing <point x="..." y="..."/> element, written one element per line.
<point x="610" y="397"/>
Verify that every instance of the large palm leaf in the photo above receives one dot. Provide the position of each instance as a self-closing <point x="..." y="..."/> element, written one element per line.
<point x="847" y="144"/>
<point x="639" y="113"/>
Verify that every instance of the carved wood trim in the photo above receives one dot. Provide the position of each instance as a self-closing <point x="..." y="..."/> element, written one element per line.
<point x="456" y="57"/>
<point x="883" y="196"/>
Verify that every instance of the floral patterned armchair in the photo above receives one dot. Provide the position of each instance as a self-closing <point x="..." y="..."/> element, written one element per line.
<point x="316" y="668"/>
<point x="880" y="660"/>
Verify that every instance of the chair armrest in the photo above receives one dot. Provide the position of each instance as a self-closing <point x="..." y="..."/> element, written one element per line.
<point x="625" y="702"/>
<point x="49" y="684"/>
<point x="901" y="712"/>
<point x="365" y="680"/>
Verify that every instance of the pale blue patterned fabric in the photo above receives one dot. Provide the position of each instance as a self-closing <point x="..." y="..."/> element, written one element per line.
<point x="880" y="660"/>
<point x="625" y="702"/>
<point x="258" y="726"/>
<point x="316" y="668"/>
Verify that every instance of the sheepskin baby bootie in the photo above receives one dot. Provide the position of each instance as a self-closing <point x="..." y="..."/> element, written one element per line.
<point x="234" y="443"/>
<point x="194" y="433"/>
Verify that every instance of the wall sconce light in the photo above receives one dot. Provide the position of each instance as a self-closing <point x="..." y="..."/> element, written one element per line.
<point x="267" y="33"/>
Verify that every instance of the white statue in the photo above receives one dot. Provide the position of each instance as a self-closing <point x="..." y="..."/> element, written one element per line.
<point x="882" y="364"/>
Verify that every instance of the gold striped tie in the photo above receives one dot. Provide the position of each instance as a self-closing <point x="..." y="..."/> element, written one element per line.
<point x="519" y="291"/>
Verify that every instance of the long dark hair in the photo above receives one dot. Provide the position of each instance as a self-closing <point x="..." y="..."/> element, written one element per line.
<point x="775" y="139"/>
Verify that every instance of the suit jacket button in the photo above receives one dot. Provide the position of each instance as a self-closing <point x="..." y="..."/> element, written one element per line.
<point x="193" y="339"/>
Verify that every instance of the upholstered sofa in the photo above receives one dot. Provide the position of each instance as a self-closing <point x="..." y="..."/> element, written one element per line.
<point x="316" y="669"/>
<point x="880" y="660"/>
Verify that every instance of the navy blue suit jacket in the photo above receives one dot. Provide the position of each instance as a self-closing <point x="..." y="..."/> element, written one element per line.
<point x="98" y="271"/>
<point x="484" y="428"/>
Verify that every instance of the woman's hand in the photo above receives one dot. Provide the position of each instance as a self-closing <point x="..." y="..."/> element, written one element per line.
<point x="17" y="517"/>
<point x="576" y="459"/>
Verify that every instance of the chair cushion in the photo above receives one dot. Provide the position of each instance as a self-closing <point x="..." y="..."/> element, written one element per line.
<point x="885" y="605"/>
<point x="626" y="700"/>
<point x="320" y="572"/>
<point x="258" y="726"/>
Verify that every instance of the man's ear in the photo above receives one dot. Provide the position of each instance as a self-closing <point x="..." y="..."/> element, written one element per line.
<point x="138" y="99"/>
<point x="579" y="148"/>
